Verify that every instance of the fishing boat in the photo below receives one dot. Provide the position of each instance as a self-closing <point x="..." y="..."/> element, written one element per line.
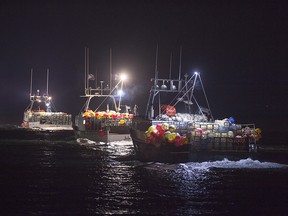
<point x="41" y="120"/>
<point x="42" y="114"/>
<point x="107" y="119"/>
<point x="165" y="134"/>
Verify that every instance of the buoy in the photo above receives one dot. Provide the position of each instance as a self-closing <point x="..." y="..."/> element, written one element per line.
<point x="178" y="140"/>
<point x="91" y="113"/>
<point x="86" y="114"/>
<point x="185" y="140"/>
<point x="171" y="137"/>
<point x="101" y="133"/>
<point x="198" y="130"/>
<point x="170" y="110"/>
<point x="165" y="126"/>
<point x="258" y="130"/>
<point x="247" y="131"/>
<point x="172" y="128"/>
<point x="159" y="126"/>
<point x="231" y="120"/>
<point x="166" y="134"/>
<point x="155" y="133"/>
<point x="147" y="134"/>
<point x="151" y="128"/>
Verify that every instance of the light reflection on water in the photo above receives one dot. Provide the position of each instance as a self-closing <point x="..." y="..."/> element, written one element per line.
<point x="223" y="187"/>
<point x="91" y="178"/>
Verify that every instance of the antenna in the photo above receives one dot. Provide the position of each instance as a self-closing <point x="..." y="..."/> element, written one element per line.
<point x="170" y="72"/>
<point x="152" y="91"/>
<point x="31" y="78"/>
<point x="156" y="64"/>
<point x="47" y="81"/>
<point x="96" y="78"/>
<point x="85" y="69"/>
<point x="180" y="62"/>
<point x="110" y="82"/>
<point x="88" y="69"/>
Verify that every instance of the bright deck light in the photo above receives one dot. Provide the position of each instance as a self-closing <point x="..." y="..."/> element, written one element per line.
<point x="120" y="93"/>
<point x="123" y="77"/>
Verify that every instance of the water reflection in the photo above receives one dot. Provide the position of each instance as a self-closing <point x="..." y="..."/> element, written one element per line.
<point x="89" y="178"/>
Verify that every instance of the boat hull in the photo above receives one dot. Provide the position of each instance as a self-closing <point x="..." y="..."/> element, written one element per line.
<point x="19" y="133"/>
<point x="191" y="152"/>
<point x="199" y="152"/>
<point x="100" y="130"/>
<point x="107" y="137"/>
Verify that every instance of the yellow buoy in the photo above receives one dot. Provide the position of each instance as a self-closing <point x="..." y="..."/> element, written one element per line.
<point x="172" y="128"/>
<point x="151" y="128"/>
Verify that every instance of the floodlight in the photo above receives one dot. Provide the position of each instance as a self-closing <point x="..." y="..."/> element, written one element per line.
<point x="123" y="77"/>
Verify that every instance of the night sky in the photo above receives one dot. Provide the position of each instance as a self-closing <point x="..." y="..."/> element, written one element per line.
<point x="239" y="48"/>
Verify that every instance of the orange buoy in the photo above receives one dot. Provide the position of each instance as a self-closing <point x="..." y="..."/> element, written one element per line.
<point x="170" y="110"/>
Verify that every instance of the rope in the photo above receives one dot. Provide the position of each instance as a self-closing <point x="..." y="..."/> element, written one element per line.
<point x="84" y="105"/>
<point x="53" y="106"/>
<point x="191" y="88"/>
<point x="198" y="105"/>
<point x="107" y="96"/>
<point x="206" y="98"/>
<point x="181" y="92"/>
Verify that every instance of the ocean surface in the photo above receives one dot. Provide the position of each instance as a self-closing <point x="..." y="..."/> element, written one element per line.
<point x="87" y="178"/>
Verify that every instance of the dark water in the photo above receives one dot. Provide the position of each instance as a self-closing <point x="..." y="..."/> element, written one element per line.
<point x="58" y="178"/>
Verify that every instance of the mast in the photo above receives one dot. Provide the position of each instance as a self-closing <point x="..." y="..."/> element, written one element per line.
<point x="96" y="78"/>
<point x="110" y="78"/>
<point x="170" y="71"/>
<point x="180" y="67"/>
<point x="152" y="91"/>
<point x="32" y="98"/>
<point x="156" y="65"/>
<point x="85" y="70"/>
<point x="88" y="69"/>
<point x="31" y="78"/>
<point x="47" y="82"/>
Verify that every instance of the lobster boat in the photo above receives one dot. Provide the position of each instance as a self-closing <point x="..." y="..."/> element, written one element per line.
<point x="173" y="141"/>
<point x="41" y="120"/>
<point x="108" y="120"/>
<point x="165" y="134"/>
<point x="42" y="114"/>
